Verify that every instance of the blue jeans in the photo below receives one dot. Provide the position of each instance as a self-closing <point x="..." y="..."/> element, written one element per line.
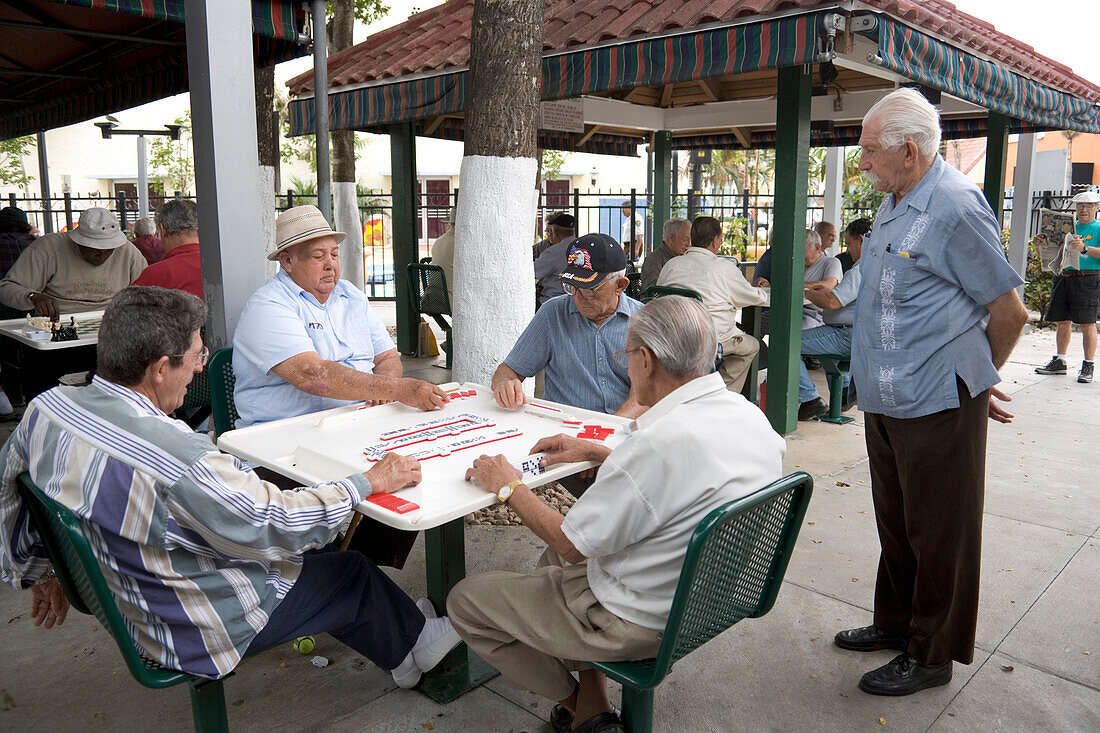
<point x="346" y="595"/>
<point x="821" y="340"/>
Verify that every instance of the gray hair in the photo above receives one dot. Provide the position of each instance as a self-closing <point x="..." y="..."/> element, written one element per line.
<point x="177" y="216"/>
<point x="145" y="227"/>
<point x="823" y="225"/>
<point x="903" y="115"/>
<point x="679" y="332"/>
<point x="670" y="227"/>
<point x="813" y="238"/>
<point x="142" y="324"/>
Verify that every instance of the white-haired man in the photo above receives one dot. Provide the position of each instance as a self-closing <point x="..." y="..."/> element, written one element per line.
<point x="675" y="241"/>
<point x="603" y="588"/>
<point x="1075" y="292"/>
<point x="936" y="316"/>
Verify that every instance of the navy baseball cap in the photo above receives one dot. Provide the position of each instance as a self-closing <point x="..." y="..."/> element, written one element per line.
<point x="591" y="259"/>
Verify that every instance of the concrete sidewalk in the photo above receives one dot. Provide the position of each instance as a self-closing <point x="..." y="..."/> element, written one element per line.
<point x="1037" y="666"/>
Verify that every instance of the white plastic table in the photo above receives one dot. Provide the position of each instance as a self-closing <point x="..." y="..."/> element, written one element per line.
<point x="34" y="364"/>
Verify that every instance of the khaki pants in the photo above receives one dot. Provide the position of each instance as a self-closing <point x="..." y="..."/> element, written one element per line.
<point x="530" y="625"/>
<point x="737" y="356"/>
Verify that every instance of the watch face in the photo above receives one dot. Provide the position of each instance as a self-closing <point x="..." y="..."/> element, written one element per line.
<point x="505" y="492"/>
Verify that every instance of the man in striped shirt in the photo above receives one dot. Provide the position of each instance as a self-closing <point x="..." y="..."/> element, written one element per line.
<point x="206" y="561"/>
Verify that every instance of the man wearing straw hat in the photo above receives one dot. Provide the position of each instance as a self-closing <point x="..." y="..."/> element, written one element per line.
<point x="309" y="341"/>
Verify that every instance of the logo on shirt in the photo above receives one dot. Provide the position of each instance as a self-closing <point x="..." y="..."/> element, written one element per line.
<point x="316" y="326"/>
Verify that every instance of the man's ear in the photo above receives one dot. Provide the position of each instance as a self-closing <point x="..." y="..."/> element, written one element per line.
<point x="912" y="153"/>
<point x="157" y="371"/>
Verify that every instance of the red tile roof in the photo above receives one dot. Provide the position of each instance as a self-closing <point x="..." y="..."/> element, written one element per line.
<point x="439" y="38"/>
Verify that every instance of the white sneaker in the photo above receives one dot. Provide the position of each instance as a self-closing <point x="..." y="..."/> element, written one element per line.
<point x="407" y="674"/>
<point x="436" y="641"/>
<point x="426" y="607"/>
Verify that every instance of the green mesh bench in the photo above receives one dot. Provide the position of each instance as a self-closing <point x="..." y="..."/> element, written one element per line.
<point x="428" y="288"/>
<point x="80" y="575"/>
<point x="836" y="367"/>
<point x="220" y="376"/>
<point x="733" y="569"/>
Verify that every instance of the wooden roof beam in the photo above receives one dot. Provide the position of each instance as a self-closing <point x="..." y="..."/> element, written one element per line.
<point x="588" y="135"/>
<point x="744" y="136"/>
<point x="433" y="125"/>
<point x="666" y="95"/>
<point x="710" y="89"/>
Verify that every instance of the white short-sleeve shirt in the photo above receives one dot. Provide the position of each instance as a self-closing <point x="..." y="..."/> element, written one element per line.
<point x="634" y="523"/>
<point x="282" y="320"/>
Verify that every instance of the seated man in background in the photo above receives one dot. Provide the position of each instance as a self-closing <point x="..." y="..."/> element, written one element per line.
<point x="561" y="230"/>
<point x="177" y="223"/>
<point x="821" y="271"/>
<point x="676" y="238"/>
<point x="603" y="588"/>
<point x="575" y="339"/>
<point x="724" y="290"/>
<point x="74" y="271"/>
<point x="835" y="335"/>
<point x="443" y="255"/>
<point x="826" y="230"/>
<point x="215" y="563"/>
<point x="857" y="229"/>
<point x="147" y="241"/>
<point x="309" y="341"/>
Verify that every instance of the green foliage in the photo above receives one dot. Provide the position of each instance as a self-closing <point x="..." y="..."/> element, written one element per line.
<point x="735" y="242"/>
<point x="172" y="161"/>
<point x="552" y="161"/>
<point x="1037" y="283"/>
<point x="366" y="11"/>
<point x="863" y="196"/>
<point x="303" y="188"/>
<point x="370" y="201"/>
<point x="12" y="170"/>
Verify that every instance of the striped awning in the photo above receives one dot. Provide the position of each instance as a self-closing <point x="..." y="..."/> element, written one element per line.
<point x="270" y="18"/>
<point x="933" y="63"/>
<point x="454" y="129"/>
<point x="704" y="54"/>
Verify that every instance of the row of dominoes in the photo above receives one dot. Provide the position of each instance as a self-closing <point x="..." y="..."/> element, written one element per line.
<point x="373" y="453"/>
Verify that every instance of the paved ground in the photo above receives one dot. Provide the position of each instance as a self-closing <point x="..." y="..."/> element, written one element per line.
<point x="1037" y="666"/>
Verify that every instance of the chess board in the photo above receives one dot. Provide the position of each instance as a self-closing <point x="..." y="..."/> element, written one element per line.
<point x="87" y="327"/>
<point x="335" y="443"/>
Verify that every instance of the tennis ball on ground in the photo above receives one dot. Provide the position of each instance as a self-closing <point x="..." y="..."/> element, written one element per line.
<point x="305" y="644"/>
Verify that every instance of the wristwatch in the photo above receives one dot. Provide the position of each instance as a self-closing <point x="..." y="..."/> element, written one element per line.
<point x="505" y="492"/>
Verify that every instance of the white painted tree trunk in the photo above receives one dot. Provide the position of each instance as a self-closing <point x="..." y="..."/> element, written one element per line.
<point x="494" y="275"/>
<point x="345" y="215"/>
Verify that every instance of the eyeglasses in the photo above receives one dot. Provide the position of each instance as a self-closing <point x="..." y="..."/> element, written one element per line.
<point x="203" y="356"/>
<point x="623" y="356"/>
<point x="571" y="289"/>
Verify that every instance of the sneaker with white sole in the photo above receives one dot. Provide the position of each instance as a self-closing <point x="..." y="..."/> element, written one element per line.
<point x="407" y="674"/>
<point x="435" y="642"/>
<point x="1054" y="366"/>
<point x="1086" y="372"/>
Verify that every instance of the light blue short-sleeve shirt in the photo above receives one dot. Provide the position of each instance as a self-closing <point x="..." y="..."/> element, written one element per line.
<point x="846" y="292"/>
<point x="930" y="266"/>
<point x="282" y="320"/>
<point x="578" y="356"/>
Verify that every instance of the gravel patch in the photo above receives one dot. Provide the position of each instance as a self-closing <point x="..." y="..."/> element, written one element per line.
<point x="553" y="494"/>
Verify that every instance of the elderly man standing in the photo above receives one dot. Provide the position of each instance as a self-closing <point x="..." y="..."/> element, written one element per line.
<point x="1075" y="293"/>
<point x="575" y="339"/>
<point x="309" y="341"/>
<point x="724" y="290"/>
<point x="676" y="239"/>
<point x="936" y="317"/>
<point x="73" y="271"/>
<point x="177" y="223"/>
<point x="561" y="230"/>
<point x="213" y="562"/>
<point x="603" y="588"/>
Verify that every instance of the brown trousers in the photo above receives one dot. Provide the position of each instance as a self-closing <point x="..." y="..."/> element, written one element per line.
<point x="928" y="485"/>
<point x="737" y="355"/>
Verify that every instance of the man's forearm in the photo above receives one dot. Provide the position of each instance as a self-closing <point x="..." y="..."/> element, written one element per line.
<point x="1007" y="317"/>
<point x="324" y="378"/>
<point x="503" y="374"/>
<point x="823" y="299"/>
<point x="544" y="522"/>
<point x="388" y="364"/>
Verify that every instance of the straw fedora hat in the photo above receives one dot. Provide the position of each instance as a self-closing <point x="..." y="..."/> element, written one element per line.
<point x="301" y="224"/>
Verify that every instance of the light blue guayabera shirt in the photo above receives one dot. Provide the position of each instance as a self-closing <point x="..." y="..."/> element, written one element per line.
<point x="578" y="356"/>
<point x="846" y="292"/>
<point x="282" y="320"/>
<point x="930" y="266"/>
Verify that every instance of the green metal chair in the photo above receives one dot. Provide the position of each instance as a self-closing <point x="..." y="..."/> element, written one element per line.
<point x="428" y="286"/>
<point x="634" y="289"/>
<point x="220" y="375"/>
<point x="198" y="398"/>
<point x="733" y="569"/>
<point x="80" y="575"/>
<point x="656" y="291"/>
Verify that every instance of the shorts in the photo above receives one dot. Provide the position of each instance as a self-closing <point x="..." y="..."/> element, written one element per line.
<point x="1075" y="298"/>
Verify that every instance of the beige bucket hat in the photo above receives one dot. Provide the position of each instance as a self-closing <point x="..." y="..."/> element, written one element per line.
<point x="301" y="224"/>
<point x="98" y="229"/>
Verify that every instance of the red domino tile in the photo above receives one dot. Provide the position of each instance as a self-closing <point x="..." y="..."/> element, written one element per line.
<point x="393" y="503"/>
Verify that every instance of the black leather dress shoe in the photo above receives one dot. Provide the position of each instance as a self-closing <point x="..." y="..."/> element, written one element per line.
<point x="869" y="639"/>
<point x="903" y="676"/>
<point x="810" y="409"/>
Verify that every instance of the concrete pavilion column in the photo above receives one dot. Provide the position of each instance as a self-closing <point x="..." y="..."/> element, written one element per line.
<point x="221" y="70"/>
<point x="1022" y="193"/>
<point x="834" y="193"/>
<point x="792" y="151"/>
<point x="996" y="161"/>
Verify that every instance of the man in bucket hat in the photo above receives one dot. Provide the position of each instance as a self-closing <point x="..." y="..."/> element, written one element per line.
<point x="1075" y="293"/>
<point x="74" y="271"/>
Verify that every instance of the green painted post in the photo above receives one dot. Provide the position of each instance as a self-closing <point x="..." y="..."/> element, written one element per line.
<point x="405" y="252"/>
<point x="792" y="151"/>
<point x="996" y="162"/>
<point x="662" y="184"/>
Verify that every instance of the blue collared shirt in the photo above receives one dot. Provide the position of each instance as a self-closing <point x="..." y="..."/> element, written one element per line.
<point x="282" y="320"/>
<point x="930" y="266"/>
<point x="578" y="356"/>
<point x="846" y="292"/>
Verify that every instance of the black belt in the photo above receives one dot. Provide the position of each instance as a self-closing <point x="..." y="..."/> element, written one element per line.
<point x="1081" y="273"/>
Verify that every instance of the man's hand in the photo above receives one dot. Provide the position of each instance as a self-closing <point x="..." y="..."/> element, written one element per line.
<point x="46" y="306"/>
<point x="392" y="473"/>
<point x="421" y="395"/>
<point x="567" y="449"/>
<point x="509" y="394"/>
<point x="996" y="412"/>
<point x="761" y="283"/>
<point x="49" y="604"/>
<point x="492" y="472"/>
<point x="1078" y="244"/>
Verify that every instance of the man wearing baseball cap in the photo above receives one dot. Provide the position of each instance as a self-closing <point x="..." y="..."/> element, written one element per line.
<point x="1075" y="293"/>
<point x="74" y="271"/>
<point x="578" y="340"/>
<point x="561" y="230"/>
<point x="309" y="341"/>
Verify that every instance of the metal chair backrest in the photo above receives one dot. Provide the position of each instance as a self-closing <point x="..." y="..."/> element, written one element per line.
<point x="222" y="381"/>
<point x="428" y="285"/>
<point x="198" y="392"/>
<point x="634" y="289"/>
<point x="656" y="291"/>
<point x="78" y="569"/>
